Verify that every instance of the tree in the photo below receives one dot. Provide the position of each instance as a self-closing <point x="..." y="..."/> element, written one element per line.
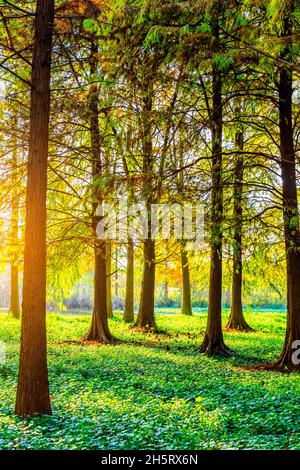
<point x="145" y="317"/>
<point x="213" y="342"/>
<point x="99" y="329"/>
<point x="129" y="294"/>
<point x="33" y="388"/>
<point x="186" y="304"/>
<point x="289" y="188"/>
<point x="236" y="319"/>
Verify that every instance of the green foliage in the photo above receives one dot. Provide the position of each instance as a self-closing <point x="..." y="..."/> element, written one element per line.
<point x="223" y="61"/>
<point x="153" y="37"/>
<point x="203" y="28"/>
<point x="155" y="391"/>
<point x="90" y="25"/>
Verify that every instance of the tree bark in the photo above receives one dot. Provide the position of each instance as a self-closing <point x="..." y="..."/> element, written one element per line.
<point x="14" y="307"/>
<point x="186" y="305"/>
<point x="213" y="343"/>
<point x="129" y="296"/>
<point x="290" y="202"/>
<point x="99" y="329"/>
<point x="33" y="388"/>
<point x="146" y="317"/>
<point x="236" y="319"/>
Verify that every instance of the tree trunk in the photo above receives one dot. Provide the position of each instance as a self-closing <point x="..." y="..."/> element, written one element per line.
<point x="33" y="388"/>
<point x="146" y="317"/>
<point x="236" y="319"/>
<point x="14" y="307"/>
<point x="213" y="341"/>
<point x="290" y="204"/>
<point x="165" y="293"/>
<point x="108" y="280"/>
<point x="129" y="297"/>
<point x="186" y="305"/>
<point x="99" y="330"/>
<point x="116" y="274"/>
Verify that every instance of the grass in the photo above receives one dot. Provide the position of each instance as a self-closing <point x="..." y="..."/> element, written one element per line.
<point x="158" y="393"/>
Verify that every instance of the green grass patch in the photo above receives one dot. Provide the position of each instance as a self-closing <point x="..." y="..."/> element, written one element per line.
<point x="155" y="391"/>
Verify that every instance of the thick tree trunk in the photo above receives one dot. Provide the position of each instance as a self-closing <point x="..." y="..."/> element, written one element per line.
<point x="99" y="330"/>
<point x="14" y="307"/>
<point x="146" y="317"/>
<point x="129" y="296"/>
<point x="236" y="319"/>
<point x="213" y="341"/>
<point x="33" y="388"/>
<point x="290" y="205"/>
<point x="108" y="280"/>
<point x="186" y="304"/>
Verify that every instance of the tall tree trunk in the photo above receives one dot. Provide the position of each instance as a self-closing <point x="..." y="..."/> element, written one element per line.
<point x="99" y="329"/>
<point x="108" y="280"/>
<point x="33" y="388"/>
<point x="236" y="319"/>
<point x="213" y="341"/>
<point x="14" y="307"/>
<point x="146" y="317"/>
<point x="290" y="202"/>
<point x="186" y="304"/>
<point x="129" y="296"/>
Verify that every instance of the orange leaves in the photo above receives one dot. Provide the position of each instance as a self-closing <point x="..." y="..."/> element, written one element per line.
<point x="85" y="8"/>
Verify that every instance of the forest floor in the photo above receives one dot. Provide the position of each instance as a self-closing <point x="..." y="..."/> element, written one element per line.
<point x="155" y="391"/>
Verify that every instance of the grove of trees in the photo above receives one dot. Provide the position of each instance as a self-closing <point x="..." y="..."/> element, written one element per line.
<point x="155" y="102"/>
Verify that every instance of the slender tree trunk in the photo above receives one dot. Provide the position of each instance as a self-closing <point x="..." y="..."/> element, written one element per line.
<point x="116" y="274"/>
<point x="33" y="388"/>
<point x="99" y="329"/>
<point x="236" y="319"/>
<point x="146" y="317"/>
<point x="129" y="296"/>
<point x="14" y="306"/>
<point x="290" y="203"/>
<point x="108" y="280"/>
<point x="213" y="341"/>
<point x="165" y="292"/>
<point x="186" y="305"/>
